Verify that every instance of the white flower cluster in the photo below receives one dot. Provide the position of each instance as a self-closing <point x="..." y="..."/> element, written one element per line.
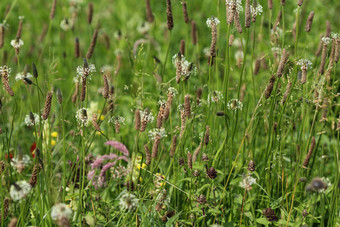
<point x="82" y="116"/>
<point x="335" y="35"/>
<point x="234" y="104"/>
<point x="146" y="115"/>
<point x="187" y="68"/>
<point x="61" y="211"/>
<point x="157" y="132"/>
<point x="19" y="190"/>
<point x="326" y="40"/>
<point x="128" y="201"/>
<point x="161" y="102"/>
<point x="215" y="96"/>
<point x="5" y="69"/>
<point x="17" y="43"/>
<point x="29" y="122"/>
<point x="247" y="182"/>
<point x="82" y="71"/>
<point x="173" y="91"/>
<point x="304" y="63"/>
<point x="212" y="21"/>
<point x="180" y="107"/>
<point x="21" y="76"/>
<point x="20" y="162"/>
<point x="238" y="3"/>
<point x="256" y="11"/>
<point x="118" y="119"/>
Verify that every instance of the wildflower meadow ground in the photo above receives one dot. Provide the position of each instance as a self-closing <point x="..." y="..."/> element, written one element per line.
<point x="169" y="113"/>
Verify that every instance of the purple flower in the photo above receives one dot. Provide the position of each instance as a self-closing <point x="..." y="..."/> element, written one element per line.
<point x="119" y="146"/>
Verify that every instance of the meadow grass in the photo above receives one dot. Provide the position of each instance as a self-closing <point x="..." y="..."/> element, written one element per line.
<point x="169" y="113"/>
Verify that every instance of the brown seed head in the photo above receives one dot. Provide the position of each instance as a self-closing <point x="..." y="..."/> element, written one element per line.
<point x="170" y="20"/>
<point x="90" y="13"/>
<point x="309" y="22"/>
<point x="182" y="47"/>
<point x="185" y="12"/>
<point x="147" y="155"/>
<point x="53" y="8"/>
<point x="76" y="48"/>
<point x="137" y="120"/>
<point x="173" y="146"/>
<point x="282" y="64"/>
<point x="106" y="90"/>
<point x="149" y="11"/>
<point x="269" y="87"/>
<point x="92" y="45"/>
<point x="247" y="14"/>
<point x="48" y="104"/>
<point x="34" y="176"/>
<point x="309" y="154"/>
<point x="94" y="122"/>
<point x="155" y="146"/>
<point x="193" y="32"/>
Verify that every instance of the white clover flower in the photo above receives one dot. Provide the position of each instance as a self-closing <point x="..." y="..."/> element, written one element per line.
<point x="173" y="91"/>
<point x="61" y="211"/>
<point x="153" y="133"/>
<point x="20" y="162"/>
<point x="143" y="27"/>
<point x="234" y="104"/>
<point x="215" y="96"/>
<point x="17" y="43"/>
<point x="81" y="71"/>
<point x="304" y="63"/>
<point x="21" y="76"/>
<point x="82" y="116"/>
<point x="238" y="3"/>
<point x="247" y="182"/>
<point x="19" y="190"/>
<point x="128" y="201"/>
<point x="29" y="122"/>
<point x="256" y="11"/>
<point x="326" y="40"/>
<point x="212" y="21"/>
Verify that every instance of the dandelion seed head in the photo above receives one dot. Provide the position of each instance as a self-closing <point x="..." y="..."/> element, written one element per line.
<point x="17" y="43"/>
<point x="61" y="211"/>
<point x="20" y="190"/>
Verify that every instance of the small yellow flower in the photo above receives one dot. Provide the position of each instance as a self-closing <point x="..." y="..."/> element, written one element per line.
<point x="102" y="118"/>
<point x="53" y="143"/>
<point x="99" y="133"/>
<point x="139" y="166"/>
<point x="54" y="134"/>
